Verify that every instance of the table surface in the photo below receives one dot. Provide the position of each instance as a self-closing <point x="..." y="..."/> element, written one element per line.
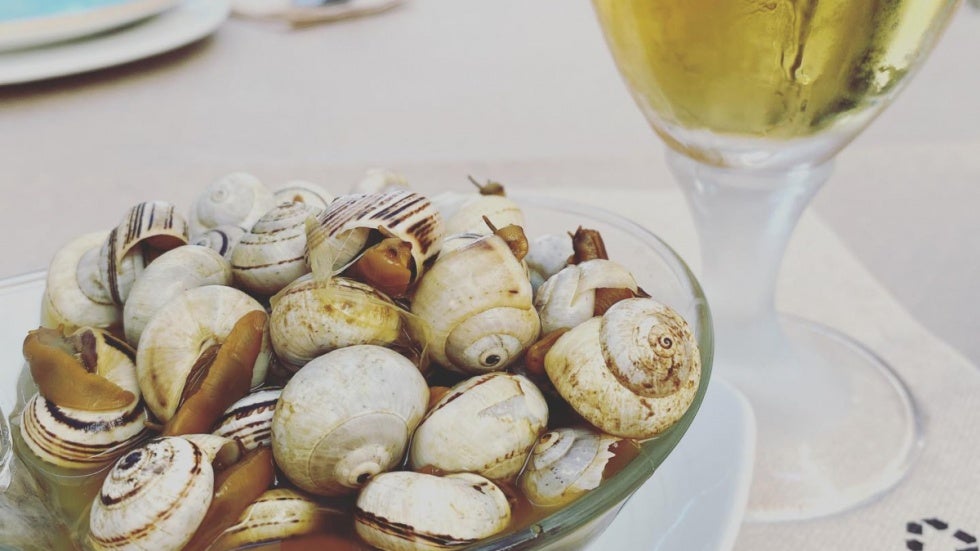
<point x="437" y="89"/>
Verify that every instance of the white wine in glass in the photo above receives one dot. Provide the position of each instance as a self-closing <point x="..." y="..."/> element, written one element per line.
<point x="754" y="98"/>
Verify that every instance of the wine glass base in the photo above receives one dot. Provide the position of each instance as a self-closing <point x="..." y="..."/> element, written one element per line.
<point x="836" y="429"/>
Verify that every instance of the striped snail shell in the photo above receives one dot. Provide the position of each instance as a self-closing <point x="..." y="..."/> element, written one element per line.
<point x="81" y="439"/>
<point x="631" y="372"/>
<point x="343" y="230"/>
<point x="154" y="497"/>
<point x="249" y="420"/>
<point x="564" y="464"/>
<point x="301" y="191"/>
<point x="276" y="515"/>
<point x="237" y="199"/>
<point x="406" y="511"/>
<point x="222" y="239"/>
<point x="271" y="255"/>
<point x="148" y="229"/>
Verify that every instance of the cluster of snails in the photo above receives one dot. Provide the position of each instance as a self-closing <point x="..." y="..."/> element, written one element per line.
<point x="247" y="369"/>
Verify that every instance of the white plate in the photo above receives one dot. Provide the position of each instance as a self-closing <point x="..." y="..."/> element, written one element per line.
<point x="694" y="502"/>
<point x="53" y="21"/>
<point x="696" y="499"/>
<point x="188" y="21"/>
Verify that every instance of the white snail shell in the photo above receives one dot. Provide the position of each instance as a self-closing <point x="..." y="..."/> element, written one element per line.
<point x="272" y="254"/>
<point x="546" y="256"/>
<point x="567" y="298"/>
<point x="311" y="317"/>
<point x="179" y="332"/>
<point x="276" y="515"/>
<point x="406" y="511"/>
<point x="80" y="439"/>
<point x="564" y="464"/>
<point x="474" y="305"/>
<point x="485" y="425"/>
<point x="64" y="303"/>
<point x="343" y="229"/>
<point x="172" y="273"/>
<point x="154" y="497"/>
<point x="237" y="199"/>
<point x="249" y="420"/>
<point x="347" y="416"/>
<point x="222" y="239"/>
<point x="632" y="372"/>
<point x="301" y="191"/>
<point x="379" y="180"/>
<point x="148" y="229"/>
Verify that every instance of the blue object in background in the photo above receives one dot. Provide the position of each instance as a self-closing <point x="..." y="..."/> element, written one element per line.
<point x="11" y="10"/>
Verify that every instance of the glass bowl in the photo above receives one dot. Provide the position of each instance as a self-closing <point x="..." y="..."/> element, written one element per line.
<point x="658" y="270"/>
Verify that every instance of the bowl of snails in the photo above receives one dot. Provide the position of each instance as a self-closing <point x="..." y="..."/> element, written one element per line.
<point x="380" y="369"/>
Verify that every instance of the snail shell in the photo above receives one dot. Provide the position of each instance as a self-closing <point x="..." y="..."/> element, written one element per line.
<point x="80" y="439"/>
<point x="179" y="332"/>
<point x="474" y="305"/>
<point x="347" y="416"/>
<point x="172" y="273"/>
<point x="237" y="199"/>
<point x="222" y="239"/>
<point x="64" y="303"/>
<point x="271" y="254"/>
<point x="312" y="316"/>
<point x="565" y="464"/>
<point x="568" y="298"/>
<point x="249" y="420"/>
<point x="301" y="191"/>
<point x="379" y="180"/>
<point x="154" y="497"/>
<point x="149" y="229"/>
<point x="632" y="372"/>
<point x="343" y="229"/>
<point x="546" y="256"/>
<point x="486" y="425"/>
<point x="406" y="511"/>
<point x="464" y="212"/>
<point x="277" y="514"/>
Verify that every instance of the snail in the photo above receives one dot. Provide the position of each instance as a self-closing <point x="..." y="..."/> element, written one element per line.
<point x="485" y="425"/>
<point x="345" y="229"/>
<point x="148" y="230"/>
<point x="87" y="411"/>
<point x="312" y="316"/>
<point x="271" y="255"/>
<point x="249" y="420"/>
<point x="564" y="464"/>
<point x="347" y="416"/>
<point x="464" y="212"/>
<point x="276" y="515"/>
<point x="569" y="297"/>
<point x="632" y="372"/>
<point x="184" y="341"/>
<point x="222" y="239"/>
<point x="154" y="497"/>
<point x="406" y="511"/>
<point x="64" y="303"/>
<point x="237" y="199"/>
<point x="172" y="273"/>
<point x="301" y="191"/>
<point x="473" y="306"/>
<point x="379" y="180"/>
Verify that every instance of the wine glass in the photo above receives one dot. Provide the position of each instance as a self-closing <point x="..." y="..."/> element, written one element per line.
<point x="754" y="98"/>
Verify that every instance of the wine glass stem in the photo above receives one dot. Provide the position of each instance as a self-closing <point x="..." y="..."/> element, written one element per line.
<point x="744" y="219"/>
